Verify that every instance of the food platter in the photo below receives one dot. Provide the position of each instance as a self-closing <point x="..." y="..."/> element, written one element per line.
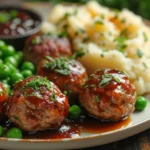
<point x="140" y="122"/>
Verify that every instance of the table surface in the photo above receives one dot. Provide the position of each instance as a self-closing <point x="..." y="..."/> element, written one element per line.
<point x="137" y="142"/>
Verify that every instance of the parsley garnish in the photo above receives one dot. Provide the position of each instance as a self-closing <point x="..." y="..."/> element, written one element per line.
<point x="121" y="43"/>
<point x="65" y="92"/>
<point x="107" y="78"/>
<point x="53" y="97"/>
<point x="59" y="65"/>
<point x="77" y="54"/>
<point x="139" y="53"/>
<point x="97" y="99"/>
<point x="145" y="37"/>
<point x="145" y="66"/>
<point x="37" y="82"/>
<point x="98" y="22"/>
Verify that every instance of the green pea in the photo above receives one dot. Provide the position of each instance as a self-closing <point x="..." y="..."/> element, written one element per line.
<point x="1" y="130"/>
<point x="2" y="44"/>
<point x="11" y="60"/>
<point x="12" y="67"/>
<point x="15" y="77"/>
<point x="8" y="50"/>
<point x="4" y="71"/>
<point x="26" y="73"/>
<point x="28" y="66"/>
<point x="1" y="61"/>
<point x="18" y="56"/>
<point x="141" y="103"/>
<point x="14" y="133"/>
<point x="74" y="111"/>
<point x="1" y="54"/>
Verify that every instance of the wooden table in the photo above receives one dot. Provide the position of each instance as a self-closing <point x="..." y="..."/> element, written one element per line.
<point x="137" y="142"/>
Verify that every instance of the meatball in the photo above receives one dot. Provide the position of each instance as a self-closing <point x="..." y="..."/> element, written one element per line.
<point x="68" y="74"/>
<point x="37" y="104"/>
<point x="3" y="98"/>
<point x="108" y="95"/>
<point x="41" y="45"/>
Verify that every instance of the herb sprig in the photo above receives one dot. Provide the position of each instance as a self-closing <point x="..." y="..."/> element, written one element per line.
<point x="107" y="78"/>
<point x="59" y="65"/>
<point x="37" y="82"/>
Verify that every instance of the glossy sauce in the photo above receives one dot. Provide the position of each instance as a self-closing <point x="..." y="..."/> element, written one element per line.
<point x="13" y="22"/>
<point x="73" y="129"/>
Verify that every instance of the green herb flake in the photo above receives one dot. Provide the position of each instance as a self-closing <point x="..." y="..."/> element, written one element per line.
<point x="102" y="55"/>
<point x="139" y="53"/>
<point x="85" y="86"/>
<point x="92" y="85"/>
<point x="97" y="99"/>
<point x="107" y="78"/>
<point x="145" y="66"/>
<point x="77" y="54"/>
<point x="53" y="97"/>
<point x="63" y="34"/>
<point x="65" y="92"/>
<point x="145" y="37"/>
<point x="15" y="117"/>
<point x="59" y="65"/>
<point x="37" y="82"/>
<point x="98" y="22"/>
<point x="123" y="20"/>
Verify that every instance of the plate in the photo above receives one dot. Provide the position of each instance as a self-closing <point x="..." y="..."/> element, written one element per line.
<point x="140" y="121"/>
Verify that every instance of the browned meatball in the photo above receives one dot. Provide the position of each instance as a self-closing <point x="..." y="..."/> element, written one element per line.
<point x="68" y="74"/>
<point x="3" y="98"/>
<point x="108" y="95"/>
<point x="37" y="104"/>
<point x="41" y="45"/>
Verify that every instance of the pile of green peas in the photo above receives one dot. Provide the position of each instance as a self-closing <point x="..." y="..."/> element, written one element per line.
<point x="12" y="69"/>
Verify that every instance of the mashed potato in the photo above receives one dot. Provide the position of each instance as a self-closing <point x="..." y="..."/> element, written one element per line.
<point x="109" y="38"/>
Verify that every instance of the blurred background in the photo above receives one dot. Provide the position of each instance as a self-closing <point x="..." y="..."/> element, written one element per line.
<point x="141" y="7"/>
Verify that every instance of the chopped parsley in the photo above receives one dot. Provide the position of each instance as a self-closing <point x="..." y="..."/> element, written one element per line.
<point x="59" y="65"/>
<point x="63" y="34"/>
<point x="98" y="22"/>
<point x="97" y="99"/>
<point x="65" y="92"/>
<point x="92" y="85"/>
<point x="107" y="78"/>
<point x="53" y="97"/>
<point x="120" y="41"/>
<point x="37" y="82"/>
<point x="123" y="20"/>
<point x="139" y="53"/>
<point x="145" y="66"/>
<point x="77" y="54"/>
<point x="145" y="37"/>
<point x="102" y="55"/>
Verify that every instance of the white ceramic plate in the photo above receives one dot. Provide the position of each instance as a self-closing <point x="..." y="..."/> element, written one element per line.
<point x="140" y="122"/>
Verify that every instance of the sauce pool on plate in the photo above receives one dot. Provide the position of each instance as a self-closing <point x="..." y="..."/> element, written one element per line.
<point x="73" y="129"/>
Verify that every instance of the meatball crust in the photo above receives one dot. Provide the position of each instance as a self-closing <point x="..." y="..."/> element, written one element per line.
<point x="37" y="104"/>
<point x="3" y="99"/>
<point x="108" y="95"/>
<point x="68" y="74"/>
<point x="41" y="45"/>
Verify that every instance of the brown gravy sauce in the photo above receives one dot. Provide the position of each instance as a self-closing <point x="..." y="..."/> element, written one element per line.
<point x="73" y="129"/>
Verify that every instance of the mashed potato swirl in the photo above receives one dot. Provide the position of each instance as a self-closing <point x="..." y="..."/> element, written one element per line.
<point x="109" y="38"/>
